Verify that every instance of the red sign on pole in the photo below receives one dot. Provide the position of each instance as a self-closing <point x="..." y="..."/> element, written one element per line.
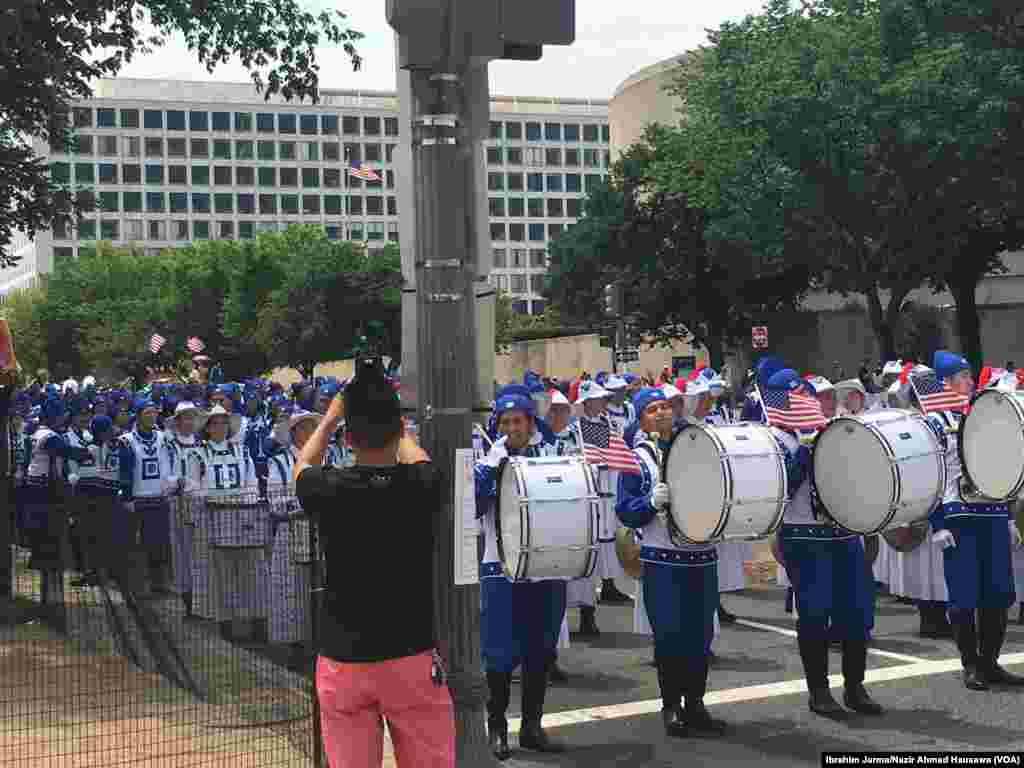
<point x="759" y="337"/>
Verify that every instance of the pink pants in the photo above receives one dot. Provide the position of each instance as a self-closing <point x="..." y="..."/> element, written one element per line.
<point x="356" y="698"/>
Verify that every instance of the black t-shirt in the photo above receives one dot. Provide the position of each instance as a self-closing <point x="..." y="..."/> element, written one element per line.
<point x="377" y="525"/>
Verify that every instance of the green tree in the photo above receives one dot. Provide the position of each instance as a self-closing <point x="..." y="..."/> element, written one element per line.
<point x="22" y="312"/>
<point x="330" y="297"/>
<point x="52" y="50"/>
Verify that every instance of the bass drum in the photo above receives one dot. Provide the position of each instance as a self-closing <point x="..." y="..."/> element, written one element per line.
<point x="547" y="518"/>
<point x="907" y="538"/>
<point x="900" y="470"/>
<point x="727" y="482"/>
<point x="991" y="444"/>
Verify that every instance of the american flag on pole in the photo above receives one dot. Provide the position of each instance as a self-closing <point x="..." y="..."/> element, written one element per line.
<point x="195" y="345"/>
<point x="792" y="410"/>
<point x="366" y="174"/>
<point x="934" y="395"/>
<point x="156" y="343"/>
<point x="602" y="446"/>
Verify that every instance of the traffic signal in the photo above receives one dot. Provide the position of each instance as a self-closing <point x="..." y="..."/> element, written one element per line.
<point x="612" y="303"/>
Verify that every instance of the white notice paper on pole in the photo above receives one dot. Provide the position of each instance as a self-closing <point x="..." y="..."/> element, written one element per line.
<point x="467" y="527"/>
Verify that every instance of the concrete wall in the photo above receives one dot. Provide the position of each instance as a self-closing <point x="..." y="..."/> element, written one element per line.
<point x="641" y="100"/>
<point x="568" y="356"/>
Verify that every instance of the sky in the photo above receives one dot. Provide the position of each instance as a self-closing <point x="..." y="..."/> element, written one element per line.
<point x="613" y="40"/>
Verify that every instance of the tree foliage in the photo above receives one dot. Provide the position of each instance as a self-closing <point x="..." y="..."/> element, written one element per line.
<point x="291" y="298"/>
<point x="52" y="50"/>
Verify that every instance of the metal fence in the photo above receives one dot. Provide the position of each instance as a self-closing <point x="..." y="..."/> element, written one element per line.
<point x="175" y="634"/>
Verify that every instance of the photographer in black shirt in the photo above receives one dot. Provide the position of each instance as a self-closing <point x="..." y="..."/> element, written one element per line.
<point x="376" y="643"/>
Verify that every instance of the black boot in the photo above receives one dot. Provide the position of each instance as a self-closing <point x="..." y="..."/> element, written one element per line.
<point x="588" y="622"/>
<point x="967" y="643"/>
<point x="611" y="595"/>
<point x="992" y="623"/>
<point x="695" y="713"/>
<point x="671" y="694"/>
<point x="186" y="599"/>
<point x="789" y="600"/>
<point x="943" y="628"/>
<point x="531" y="734"/>
<point x="724" y="617"/>
<point x="855" y="695"/>
<point x="500" y="686"/>
<point x="814" y="654"/>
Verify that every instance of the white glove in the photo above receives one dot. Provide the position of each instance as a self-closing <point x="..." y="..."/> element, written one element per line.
<point x="73" y="480"/>
<point x="1014" y="534"/>
<point x="944" y="539"/>
<point x="660" y="496"/>
<point x="129" y="507"/>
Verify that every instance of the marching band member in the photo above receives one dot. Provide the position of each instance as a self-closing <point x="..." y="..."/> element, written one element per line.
<point x="922" y="569"/>
<point x="519" y="621"/>
<point x="680" y="589"/>
<point x="721" y="410"/>
<point x="732" y="555"/>
<point x="753" y="409"/>
<point x="677" y="400"/>
<point x="976" y="536"/>
<point x="579" y="592"/>
<point x="145" y="469"/>
<point x="96" y="481"/>
<point x="185" y="452"/>
<point x="593" y="401"/>
<point x="826" y="566"/>
<point x="620" y="411"/>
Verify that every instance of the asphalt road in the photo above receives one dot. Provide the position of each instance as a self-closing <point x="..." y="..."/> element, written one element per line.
<point x="609" y="713"/>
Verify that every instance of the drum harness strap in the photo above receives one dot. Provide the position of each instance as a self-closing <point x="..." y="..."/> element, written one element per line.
<point x="674" y="534"/>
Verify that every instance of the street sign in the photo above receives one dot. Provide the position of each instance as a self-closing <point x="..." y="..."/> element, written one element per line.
<point x="628" y="356"/>
<point x="759" y="337"/>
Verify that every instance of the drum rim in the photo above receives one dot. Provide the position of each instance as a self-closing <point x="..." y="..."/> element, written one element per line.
<point x="523" y="560"/>
<point x="1019" y="485"/>
<point x="723" y="518"/>
<point x="894" y="468"/>
<point x="711" y="430"/>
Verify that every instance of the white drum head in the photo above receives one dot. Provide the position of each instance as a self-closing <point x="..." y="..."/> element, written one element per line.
<point x="510" y="533"/>
<point x="694" y="475"/>
<point x="992" y="441"/>
<point x="853" y="475"/>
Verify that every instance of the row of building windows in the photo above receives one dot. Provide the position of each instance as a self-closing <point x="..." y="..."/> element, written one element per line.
<point x="245" y="203"/>
<point x="519" y="284"/>
<point x="222" y="175"/>
<point x="311" y="125"/>
<point x="136" y="230"/>
<point x="519" y="233"/>
<point x="227" y="149"/>
<point x="240" y="122"/>
<point x="541" y="157"/>
<point x="592" y="133"/>
<point x="518" y="258"/>
<point x="535" y="207"/>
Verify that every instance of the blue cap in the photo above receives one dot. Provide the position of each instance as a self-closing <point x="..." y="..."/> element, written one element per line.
<point x="947" y="364"/>
<point x="600" y="378"/>
<point x="142" y="403"/>
<point x="533" y="382"/>
<point x="514" y="389"/>
<point x="514" y="402"/>
<point x="53" y="409"/>
<point x="768" y="367"/>
<point x="100" y="424"/>
<point x="645" y="397"/>
<point x="329" y="389"/>
<point x="630" y="377"/>
<point x="787" y="379"/>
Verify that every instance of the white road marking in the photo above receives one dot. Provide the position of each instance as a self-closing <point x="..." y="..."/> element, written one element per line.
<point x="792" y="633"/>
<point x="753" y="692"/>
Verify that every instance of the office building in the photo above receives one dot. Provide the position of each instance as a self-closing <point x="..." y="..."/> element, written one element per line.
<point x="176" y="162"/>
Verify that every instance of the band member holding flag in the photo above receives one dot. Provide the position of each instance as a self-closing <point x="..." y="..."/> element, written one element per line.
<point x="680" y="580"/>
<point x="825" y="563"/>
<point x="604" y="448"/>
<point x="975" y="533"/>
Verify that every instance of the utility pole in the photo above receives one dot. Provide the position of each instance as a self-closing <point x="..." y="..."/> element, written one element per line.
<point x="442" y="48"/>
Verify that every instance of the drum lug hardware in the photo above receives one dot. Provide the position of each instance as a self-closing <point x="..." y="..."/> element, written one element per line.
<point x="428" y="412"/>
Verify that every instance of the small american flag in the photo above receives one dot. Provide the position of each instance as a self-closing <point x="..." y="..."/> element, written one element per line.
<point x="366" y="174"/>
<point x="602" y="446"/>
<point x="156" y="343"/>
<point x="792" y="410"/>
<point x="935" y="395"/>
<point x="195" y="345"/>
